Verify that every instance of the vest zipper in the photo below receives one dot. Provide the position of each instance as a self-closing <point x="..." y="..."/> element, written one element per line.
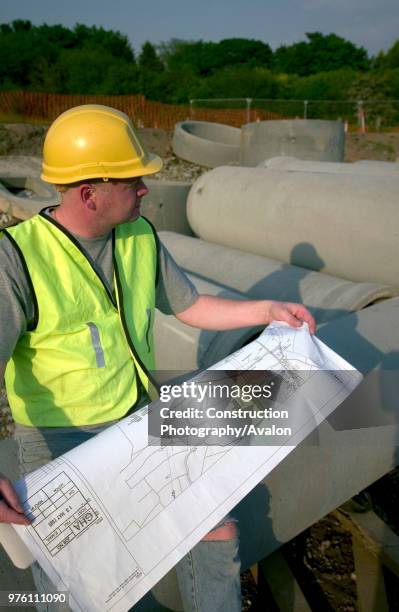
<point x="147" y="333"/>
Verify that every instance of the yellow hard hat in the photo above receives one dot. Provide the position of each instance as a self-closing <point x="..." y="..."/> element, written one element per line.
<point x="94" y="141"/>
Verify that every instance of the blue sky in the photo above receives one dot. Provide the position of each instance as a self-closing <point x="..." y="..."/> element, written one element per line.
<point x="373" y="24"/>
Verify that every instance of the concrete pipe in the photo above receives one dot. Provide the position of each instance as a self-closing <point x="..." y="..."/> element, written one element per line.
<point x="293" y="164"/>
<point x="207" y="144"/>
<point x="165" y="205"/>
<point x="372" y="164"/>
<point x="303" y="138"/>
<point x="192" y="347"/>
<point x="347" y="227"/>
<point x="35" y="194"/>
<point x="20" y="165"/>
<point x="258" y="277"/>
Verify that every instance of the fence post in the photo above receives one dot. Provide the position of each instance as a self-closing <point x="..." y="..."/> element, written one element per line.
<point x="191" y="109"/>
<point x="360" y="116"/>
<point x="305" y="109"/>
<point x="249" y="101"/>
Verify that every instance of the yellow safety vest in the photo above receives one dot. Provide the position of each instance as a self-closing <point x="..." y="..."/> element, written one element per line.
<point x="87" y="352"/>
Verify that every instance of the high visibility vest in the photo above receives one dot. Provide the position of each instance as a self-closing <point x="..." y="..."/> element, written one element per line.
<point x="88" y="350"/>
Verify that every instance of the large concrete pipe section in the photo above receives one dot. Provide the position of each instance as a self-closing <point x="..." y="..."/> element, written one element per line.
<point x="185" y="348"/>
<point x="259" y="277"/>
<point x="303" y="138"/>
<point x="20" y="165"/>
<point x="165" y="205"/>
<point x="207" y="144"/>
<point x="374" y="164"/>
<point x="351" y="224"/>
<point x="22" y="192"/>
<point x="24" y="196"/>
<point x="293" y="164"/>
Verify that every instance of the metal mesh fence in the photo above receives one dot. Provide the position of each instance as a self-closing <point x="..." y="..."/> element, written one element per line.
<point x="370" y="115"/>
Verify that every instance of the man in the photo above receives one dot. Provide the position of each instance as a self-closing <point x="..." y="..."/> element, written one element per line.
<point x="79" y="284"/>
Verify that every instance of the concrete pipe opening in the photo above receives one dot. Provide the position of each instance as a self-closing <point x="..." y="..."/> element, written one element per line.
<point x="165" y="205"/>
<point x="24" y="196"/>
<point x="207" y="144"/>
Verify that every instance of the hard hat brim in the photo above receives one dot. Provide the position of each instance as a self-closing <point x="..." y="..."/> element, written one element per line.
<point x="149" y="164"/>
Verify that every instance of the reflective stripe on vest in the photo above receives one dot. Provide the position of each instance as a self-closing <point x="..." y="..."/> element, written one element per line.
<point x="89" y="351"/>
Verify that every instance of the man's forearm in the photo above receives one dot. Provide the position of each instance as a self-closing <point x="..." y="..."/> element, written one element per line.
<point x="11" y="510"/>
<point x="210" y="312"/>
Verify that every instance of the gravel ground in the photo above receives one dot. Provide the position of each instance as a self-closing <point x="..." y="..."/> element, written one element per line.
<point x="175" y="169"/>
<point x="6" y="422"/>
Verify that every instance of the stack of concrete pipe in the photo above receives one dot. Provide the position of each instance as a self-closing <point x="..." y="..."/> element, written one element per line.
<point x="295" y="236"/>
<point x="215" y="144"/>
<point x="332" y="242"/>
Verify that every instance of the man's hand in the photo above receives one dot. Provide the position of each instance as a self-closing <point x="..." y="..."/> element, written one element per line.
<point x="291" y="313"/>
<point x="11" y="510"/>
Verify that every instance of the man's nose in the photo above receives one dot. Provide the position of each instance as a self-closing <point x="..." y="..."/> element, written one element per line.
<point x="142" y="189"/>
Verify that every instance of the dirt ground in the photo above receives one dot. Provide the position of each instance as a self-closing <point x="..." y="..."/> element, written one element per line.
<point x="378" y="146"/>
<point x="321" y="556"/>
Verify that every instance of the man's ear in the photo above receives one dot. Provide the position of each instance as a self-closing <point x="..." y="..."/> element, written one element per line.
<point x="88" y="196"/>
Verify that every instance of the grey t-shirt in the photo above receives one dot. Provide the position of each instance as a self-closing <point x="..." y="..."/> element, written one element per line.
<point x="174" y="291"/>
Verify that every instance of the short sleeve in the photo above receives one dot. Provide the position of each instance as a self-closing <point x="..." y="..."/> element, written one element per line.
<point x="175" y="292"/>
<point x="16" y="306"/>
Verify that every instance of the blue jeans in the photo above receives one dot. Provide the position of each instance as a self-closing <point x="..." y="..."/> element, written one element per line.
<point x="208" y="576"/>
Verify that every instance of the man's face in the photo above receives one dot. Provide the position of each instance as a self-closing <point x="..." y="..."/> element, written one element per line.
<point x="119" y="201"/>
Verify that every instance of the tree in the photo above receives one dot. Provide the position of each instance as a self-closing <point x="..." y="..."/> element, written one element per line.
<point x="21" y="25"/>
<point x="382" y="90"/>
<point x="58" y="59"/>
<point x="333" y="85"/>
<point x="57" y="35"/>
<point x="21" y="50"/>
<point x="205" y="58"/>
<point x="115" y="43"/>
<point x="181" y="55"/>
<point x="391" y="58"/>
<point x="149" y="60"/>
<point x="320" y="53"/>
<point x="240" y="82"/>
<point x="233" y="51"/>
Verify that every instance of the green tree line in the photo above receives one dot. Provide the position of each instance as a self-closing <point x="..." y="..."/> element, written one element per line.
<point x="92" y="60"/>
